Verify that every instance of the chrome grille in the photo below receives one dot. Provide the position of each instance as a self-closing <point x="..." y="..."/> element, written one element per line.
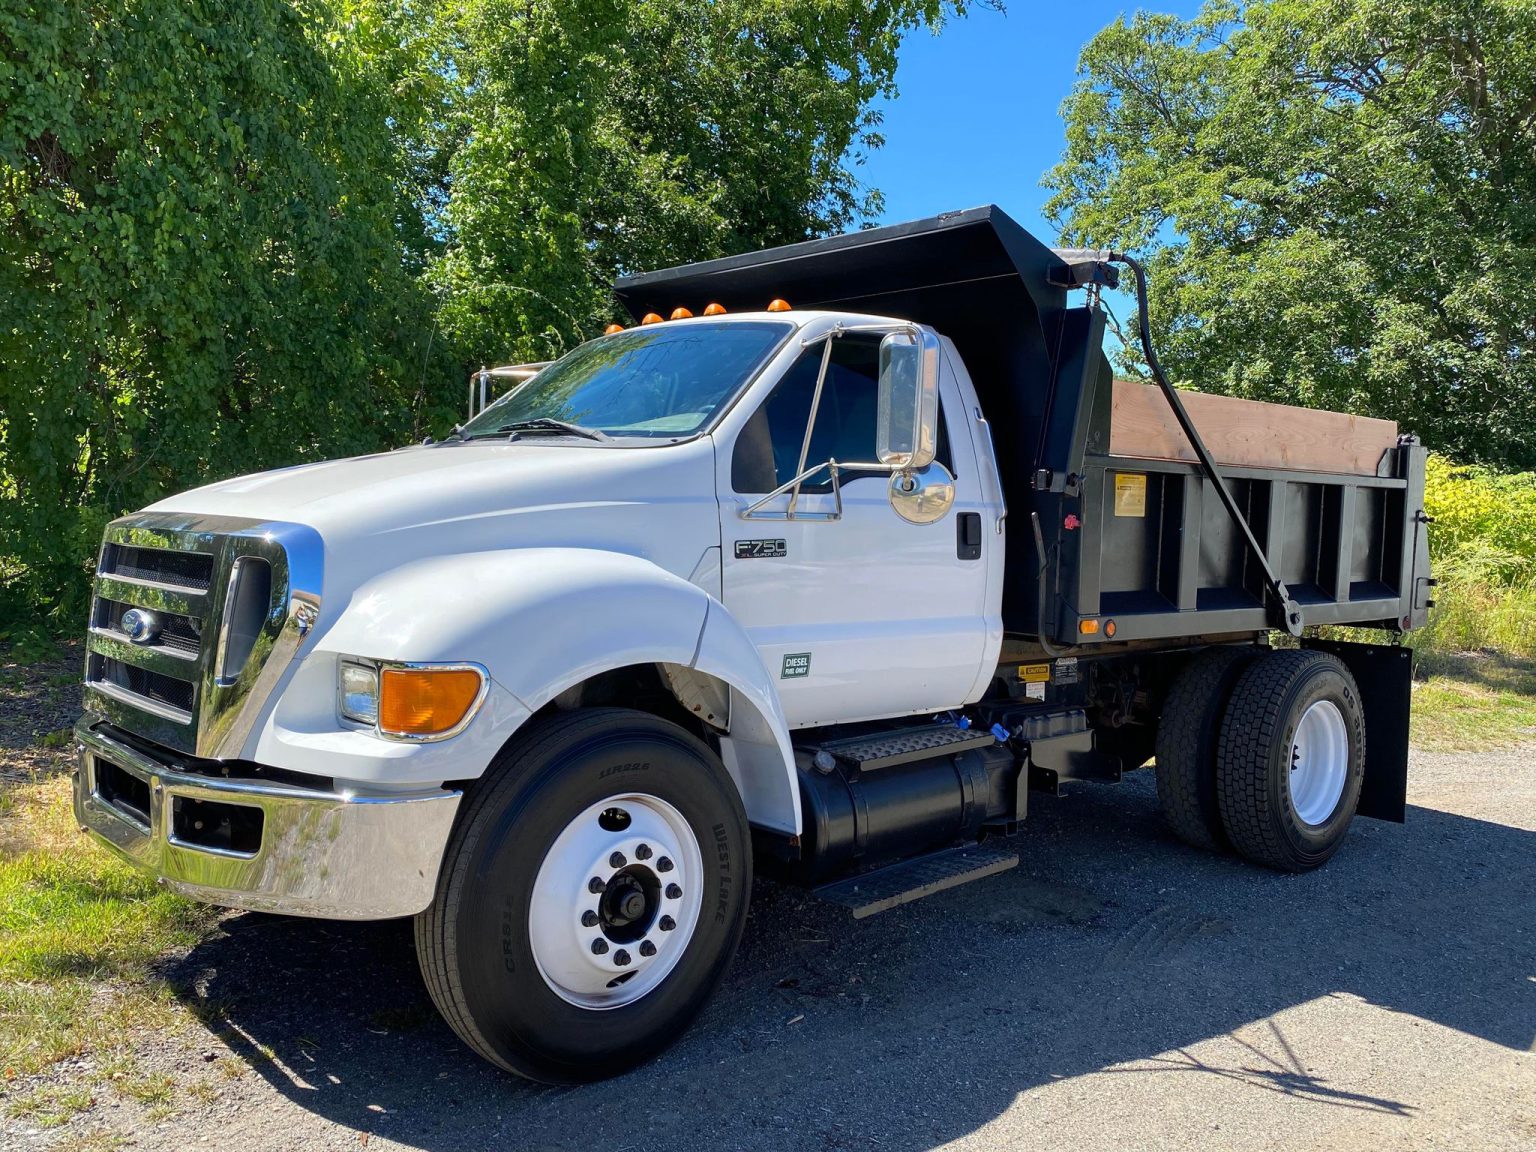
<point x="178" y="633"/>
<point x="184" y="571"/>
<point x="169" y="692"/>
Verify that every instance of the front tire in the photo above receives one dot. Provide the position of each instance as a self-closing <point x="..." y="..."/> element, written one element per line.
<point x="590" y="899"/>
<point x="1291" y="759"/>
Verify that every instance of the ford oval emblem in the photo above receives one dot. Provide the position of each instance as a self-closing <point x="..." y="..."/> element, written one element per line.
<point x="140" y="625"/>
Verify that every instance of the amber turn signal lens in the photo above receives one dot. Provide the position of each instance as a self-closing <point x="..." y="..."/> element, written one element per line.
<point x="612" y="328"/>
<point x="680" y="314"/>
<point x="714" y="310"/>
<point x="426" y="701"/>
<point x="778" y="306"/>
<point x="650" y="318"/>
<point x="1088" y="627"/>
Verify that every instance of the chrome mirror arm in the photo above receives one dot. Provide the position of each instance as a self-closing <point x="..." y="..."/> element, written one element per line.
<point x="810" y="426"/>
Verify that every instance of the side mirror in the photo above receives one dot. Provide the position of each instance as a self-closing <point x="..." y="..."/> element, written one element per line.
<point x="907" y="434"/>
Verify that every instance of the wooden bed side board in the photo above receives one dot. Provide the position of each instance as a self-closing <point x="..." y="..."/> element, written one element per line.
<point x="1246" y="433"/>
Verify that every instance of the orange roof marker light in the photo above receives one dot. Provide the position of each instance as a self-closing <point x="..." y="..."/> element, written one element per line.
<point x="714" y="309"/>
<point x="612" y="328"/>
<point x="777" y="305"/>
<point x="650" y="318"/>
<point x="680" y="314"/>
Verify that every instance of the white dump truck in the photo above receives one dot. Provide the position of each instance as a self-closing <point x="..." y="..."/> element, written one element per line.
<point x="815" y="571"/>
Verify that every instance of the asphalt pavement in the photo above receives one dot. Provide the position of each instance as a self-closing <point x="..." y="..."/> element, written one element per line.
<point x="1116" y="991"/>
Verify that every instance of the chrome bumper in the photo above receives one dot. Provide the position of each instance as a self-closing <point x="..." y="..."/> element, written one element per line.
<point x="301" y="851"/>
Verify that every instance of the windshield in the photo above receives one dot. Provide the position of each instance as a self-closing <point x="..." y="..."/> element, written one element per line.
<point x="659" y="381"/>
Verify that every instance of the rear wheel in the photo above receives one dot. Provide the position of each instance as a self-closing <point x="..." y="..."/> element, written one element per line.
<point x="1187" y="733"/>
<point x="1291" y="759"/>
<point x="591" y="897"/>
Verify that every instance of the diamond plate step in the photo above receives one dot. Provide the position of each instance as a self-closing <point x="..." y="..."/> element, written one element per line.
<point x="913" y="879"/>
<point x="887" y="749"/>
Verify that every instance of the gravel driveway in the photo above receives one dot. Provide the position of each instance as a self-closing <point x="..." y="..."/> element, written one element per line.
<point x="1116" y="991"/>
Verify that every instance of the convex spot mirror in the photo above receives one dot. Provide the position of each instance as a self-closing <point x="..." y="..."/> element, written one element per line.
<point x="908" y="415"/>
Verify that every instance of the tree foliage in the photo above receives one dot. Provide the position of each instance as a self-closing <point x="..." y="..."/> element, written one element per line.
<point x="607" y="135"/>
<point x="199" y="270"/>
<point x="1337" y="199"/>
<point x="246" y="233"/>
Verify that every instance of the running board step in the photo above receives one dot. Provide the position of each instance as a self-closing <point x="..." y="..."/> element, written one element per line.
<point x="911" y="880"/>
<point x="904" y="745"/>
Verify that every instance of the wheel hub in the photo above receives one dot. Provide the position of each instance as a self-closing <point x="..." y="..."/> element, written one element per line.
<point x="1319" y="763"/>
<point x="616" y="901"/>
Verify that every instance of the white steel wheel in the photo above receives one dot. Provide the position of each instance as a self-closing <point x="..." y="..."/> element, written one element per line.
<point x="616" y="901"/>
<point x="1320" y="756"/>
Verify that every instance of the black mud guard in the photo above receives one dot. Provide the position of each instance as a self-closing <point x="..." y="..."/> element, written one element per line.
<point x="1384" y="673"/>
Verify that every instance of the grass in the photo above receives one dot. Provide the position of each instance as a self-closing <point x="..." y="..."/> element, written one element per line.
<point x="1472" y="701"/>
<point x="81" y="935"/>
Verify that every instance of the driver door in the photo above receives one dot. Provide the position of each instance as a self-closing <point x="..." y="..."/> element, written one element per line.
<point x="867" y="615"/>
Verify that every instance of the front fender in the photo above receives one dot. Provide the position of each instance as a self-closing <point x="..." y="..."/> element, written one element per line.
<point x="540" y="620"/>
<point x="537" y="618"/>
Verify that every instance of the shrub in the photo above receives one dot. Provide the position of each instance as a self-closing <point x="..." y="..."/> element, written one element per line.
<point x="1483" y="547"/>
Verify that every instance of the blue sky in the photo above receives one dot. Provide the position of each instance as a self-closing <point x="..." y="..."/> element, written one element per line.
<point x="978" y="117"/>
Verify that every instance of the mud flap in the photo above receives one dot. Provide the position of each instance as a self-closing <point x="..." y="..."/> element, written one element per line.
<point x="1385" y="676"/>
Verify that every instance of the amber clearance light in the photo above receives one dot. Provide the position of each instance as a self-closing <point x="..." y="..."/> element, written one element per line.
<point x="428" y="703"/>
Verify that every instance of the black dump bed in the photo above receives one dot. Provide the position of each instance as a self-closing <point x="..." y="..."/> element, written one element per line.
<point x="1132" y="529"/>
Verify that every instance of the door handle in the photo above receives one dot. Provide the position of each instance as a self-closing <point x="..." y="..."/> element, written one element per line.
<point x="968" y="536"/>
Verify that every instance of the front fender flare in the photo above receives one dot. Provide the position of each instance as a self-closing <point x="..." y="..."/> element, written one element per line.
<point x="542" y="620"/>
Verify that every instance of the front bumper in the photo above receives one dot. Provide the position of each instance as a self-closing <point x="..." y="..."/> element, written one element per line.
<point x="260" y="844"/>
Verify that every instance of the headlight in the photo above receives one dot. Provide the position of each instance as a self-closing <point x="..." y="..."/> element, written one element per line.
<point x="357" y="692"/>
<point x="411" y="701"/>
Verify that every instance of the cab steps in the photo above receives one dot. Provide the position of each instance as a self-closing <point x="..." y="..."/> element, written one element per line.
<point x="897" y="884"/>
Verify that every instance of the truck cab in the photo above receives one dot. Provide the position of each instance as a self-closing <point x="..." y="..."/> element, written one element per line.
<point x="775" y="583"/>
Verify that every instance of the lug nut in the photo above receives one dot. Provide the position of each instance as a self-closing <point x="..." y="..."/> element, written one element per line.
<point x="599" y="947"/>
<point x="616" y="860"/>
<point x="664" y="864"/>
<point x="647" y="948"/>
<point x="674" y="892"/>
<point x="589" y="919"/>
<point x="643" y="852"/>
<point x="621" y="958"/>
<point x="666" y="923"/>
<point x="595" y="885"/>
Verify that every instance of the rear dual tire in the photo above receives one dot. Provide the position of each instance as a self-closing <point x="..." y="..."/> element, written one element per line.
<point x="1291" y="760"/>
<point x="1263" y="753"/>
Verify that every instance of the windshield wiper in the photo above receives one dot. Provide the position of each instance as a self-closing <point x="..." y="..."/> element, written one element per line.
<point x="550" y="424"/>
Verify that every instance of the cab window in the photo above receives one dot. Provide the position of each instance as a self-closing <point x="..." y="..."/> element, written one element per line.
<point x="768" y="449"/>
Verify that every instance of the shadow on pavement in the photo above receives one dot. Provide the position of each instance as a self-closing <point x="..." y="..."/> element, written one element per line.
<point x="1111" y="943"/>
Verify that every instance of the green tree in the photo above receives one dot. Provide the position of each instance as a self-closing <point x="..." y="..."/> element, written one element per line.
<point x="1337" y="199"/>
<point x="607" y="135"/>
<point x="201" y="266"/>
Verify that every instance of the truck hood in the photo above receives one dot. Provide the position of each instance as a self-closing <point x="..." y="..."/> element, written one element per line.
<point x="373" y="512"/>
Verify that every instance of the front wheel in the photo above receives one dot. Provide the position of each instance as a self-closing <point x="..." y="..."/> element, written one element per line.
<point x="590" y="899"/>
